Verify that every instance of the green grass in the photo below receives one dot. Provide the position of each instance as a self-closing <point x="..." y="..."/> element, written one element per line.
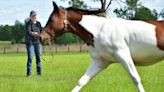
<point x="61" y="73"/>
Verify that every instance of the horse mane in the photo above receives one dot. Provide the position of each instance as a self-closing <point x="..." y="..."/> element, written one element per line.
<point x="88" y="12"/>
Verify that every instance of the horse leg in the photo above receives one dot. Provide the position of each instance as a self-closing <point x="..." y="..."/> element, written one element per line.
<point x="94" y="68"/>
<point x="124" y="57"/>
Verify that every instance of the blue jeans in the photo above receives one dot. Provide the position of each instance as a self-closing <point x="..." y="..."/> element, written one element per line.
<point x="30" y="52"/>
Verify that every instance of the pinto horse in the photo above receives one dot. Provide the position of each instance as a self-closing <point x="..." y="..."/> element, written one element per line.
<point x="110" y="40"/>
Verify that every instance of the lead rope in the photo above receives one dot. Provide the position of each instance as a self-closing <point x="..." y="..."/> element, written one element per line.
<point x="52" y="55"/>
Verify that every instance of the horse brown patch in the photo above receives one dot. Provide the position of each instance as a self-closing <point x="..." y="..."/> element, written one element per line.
<point x="159" y="33"/>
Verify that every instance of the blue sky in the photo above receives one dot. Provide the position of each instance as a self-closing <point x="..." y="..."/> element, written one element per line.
<point x="11" y="10"/>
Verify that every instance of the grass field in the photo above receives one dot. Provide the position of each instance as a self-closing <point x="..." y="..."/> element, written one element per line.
<point x="61" y="73"/>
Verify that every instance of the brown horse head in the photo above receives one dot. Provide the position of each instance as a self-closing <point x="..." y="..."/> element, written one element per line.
<point x="66" y="20"/>
<point x="54" y="25"/>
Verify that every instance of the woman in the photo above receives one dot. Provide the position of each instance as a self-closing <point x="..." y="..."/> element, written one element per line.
<point x="33" y="44"/>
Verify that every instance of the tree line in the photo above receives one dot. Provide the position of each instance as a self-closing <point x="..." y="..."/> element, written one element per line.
<point x="132" y="9"/>
<point x="16" y="34"/>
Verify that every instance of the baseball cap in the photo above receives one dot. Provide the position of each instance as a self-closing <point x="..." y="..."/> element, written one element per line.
<point x="33" y="13"/>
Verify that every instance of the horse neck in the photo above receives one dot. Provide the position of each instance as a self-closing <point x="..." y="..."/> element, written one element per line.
<point x="74" y="19"/>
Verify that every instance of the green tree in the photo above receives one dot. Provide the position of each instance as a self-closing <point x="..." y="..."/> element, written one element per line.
<point x="128" y="11"/>
<point x="162" y="13"/>
<point x="5" y="32"/>
<point x="104" y="4"/>
<point x="134" y="9"/>
<point x="18" y="32"/>
<point x="144" y="13"/>
<point x="68" y="38"/>
<point x="77" y="3"/>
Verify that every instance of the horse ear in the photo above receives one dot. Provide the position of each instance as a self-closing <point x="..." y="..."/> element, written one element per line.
<point x="55" y="6"/>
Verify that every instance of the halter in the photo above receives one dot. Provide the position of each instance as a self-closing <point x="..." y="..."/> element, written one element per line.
<point x="66" y="22"/>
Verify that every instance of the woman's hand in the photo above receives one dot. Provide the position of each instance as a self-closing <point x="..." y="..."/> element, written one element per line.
<point x="34" y="33"/>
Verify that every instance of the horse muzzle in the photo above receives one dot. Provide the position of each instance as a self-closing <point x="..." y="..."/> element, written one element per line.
<point x="45" y="39"/>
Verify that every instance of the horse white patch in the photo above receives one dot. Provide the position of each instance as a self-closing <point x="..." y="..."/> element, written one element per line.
<point x="118" y="40"/>
<point x="110" y="33"/>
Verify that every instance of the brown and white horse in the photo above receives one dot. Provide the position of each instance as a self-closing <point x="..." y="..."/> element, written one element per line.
<point x="110" y="40"/>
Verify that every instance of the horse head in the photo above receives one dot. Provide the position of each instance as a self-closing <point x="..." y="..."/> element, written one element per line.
<point x="65" y="20"/>
<point x="54" y="26"/>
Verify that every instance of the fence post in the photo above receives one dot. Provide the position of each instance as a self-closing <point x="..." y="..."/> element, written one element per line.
<point x="80" y="47"/>
<point x="56" y="49"/>
<point x="4" y="51"/>
<point x="17" y="50"/>
<point x="68" y="47"/>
